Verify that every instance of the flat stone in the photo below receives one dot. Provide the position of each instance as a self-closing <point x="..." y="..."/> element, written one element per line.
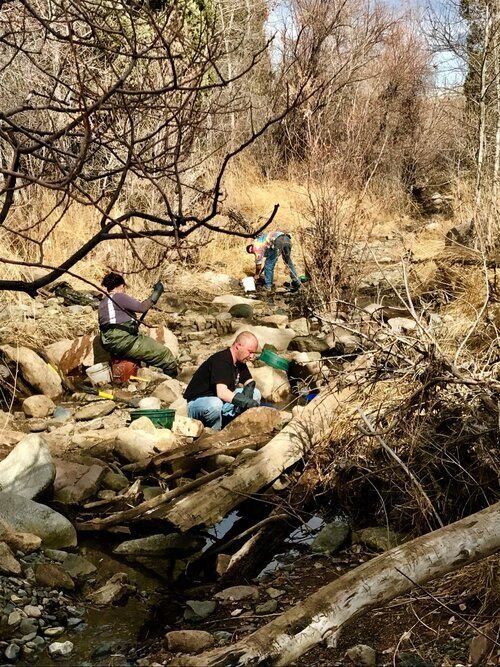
<point x="378" y="538"/>
<point x="268" y="607"/>
<point x="26" y="516"/>
<point x="237" y="593"/>
<point x="31" y="611"/>
<point x="114" y="590"/>
<point x="230" y="300"/>
<point x="51" y="575"/>
<point x="95" y="410"/>
<point x="55" y="631"/>
<point x="115" y="481"/>
<point x="85" y="487"/>
<point x="199" y="609"/>
<point x="28" y="470"/>
<point x="169" y="391"/>
<point x="78" y="566"/>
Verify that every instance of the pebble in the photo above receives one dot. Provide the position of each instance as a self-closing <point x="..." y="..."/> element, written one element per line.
<point x="32" y="612"/>
<point x="53" y="632"/>
<point x="60" y="648"/>
<point x="12" y="651"/>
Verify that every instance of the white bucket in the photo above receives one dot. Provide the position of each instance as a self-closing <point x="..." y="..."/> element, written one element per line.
<point x="248" y="284"/>
<point x="99" y="373"/>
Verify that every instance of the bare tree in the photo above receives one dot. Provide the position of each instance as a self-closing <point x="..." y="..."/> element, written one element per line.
<point x="102" y="99"/>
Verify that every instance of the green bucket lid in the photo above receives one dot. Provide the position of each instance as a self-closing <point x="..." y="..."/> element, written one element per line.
<point x="272" y="359"/>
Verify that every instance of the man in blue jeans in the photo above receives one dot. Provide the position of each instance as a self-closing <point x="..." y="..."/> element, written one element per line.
<point x="267" y="248"/>
<point x="213" y="395"/>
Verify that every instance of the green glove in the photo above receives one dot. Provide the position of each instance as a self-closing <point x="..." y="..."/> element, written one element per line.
<point x="243" y="402"/>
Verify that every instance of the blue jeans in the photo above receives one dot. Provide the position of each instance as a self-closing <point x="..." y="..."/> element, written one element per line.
<point x="281" y="246"/>
<point x="212" y="411"/>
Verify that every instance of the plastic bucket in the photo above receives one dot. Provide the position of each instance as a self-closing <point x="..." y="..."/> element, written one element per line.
<point x="248" y="284"/>
<point x="162" y="418"/>
<point x="99" y="373"/>
<point x="123" y="370"/>
<point x="272" y="359"/>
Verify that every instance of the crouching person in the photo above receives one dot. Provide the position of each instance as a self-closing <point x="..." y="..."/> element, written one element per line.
<point x="120" y="328"/>
<point x="214" y="394"/>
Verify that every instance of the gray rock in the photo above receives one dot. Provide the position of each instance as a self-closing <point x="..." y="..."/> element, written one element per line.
<point x="12" y="652"/>
<point x="237" y="593"/>
<point x="188" y="641"/>
<point x="61" y="414"/>
<point x="28" y="470"/>
<point x="28" y="626"/>
<point x="308" y="344"/>
<point x="37" y="425"/>
<point x="244" y="310"/>
<point x="362" y="655"/>
<point x="31" y="611"/>
<point x="56" y="554"/>
<point x="55" y="631"/>
<point x="160" y="545"/>
<point x="60" y="648"/>
<point x="14" y="617"/>
<point x="78" y="566"/>
<point x="331" y="537"/>
<point x="268" y="607"/>
<point x="83" y="488"/>
<point x="115" y="481"/>
<point x="26" y="516"/>
<point x="199" y="609"/>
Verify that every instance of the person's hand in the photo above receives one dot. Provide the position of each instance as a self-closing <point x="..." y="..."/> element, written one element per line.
<point x="158" y="290"/>
<point x="244" y="402"/>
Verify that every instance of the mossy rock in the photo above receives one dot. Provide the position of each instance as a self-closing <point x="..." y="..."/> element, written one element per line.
<point x="243" y="310"/>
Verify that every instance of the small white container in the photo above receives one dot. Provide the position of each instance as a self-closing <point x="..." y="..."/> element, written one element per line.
<point x="99" y="373"/>
<point x="248" y="284"/>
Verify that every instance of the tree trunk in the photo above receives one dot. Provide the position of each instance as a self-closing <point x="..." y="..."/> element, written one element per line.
<point x="211" y="503"/>
<point x="321" y="616"/>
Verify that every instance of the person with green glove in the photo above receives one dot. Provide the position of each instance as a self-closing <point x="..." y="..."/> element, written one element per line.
<point x="119" y="326"/>
<point x="214" y="394"/>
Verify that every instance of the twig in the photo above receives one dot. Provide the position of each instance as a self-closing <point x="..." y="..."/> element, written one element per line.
<point x="392" y="453"/>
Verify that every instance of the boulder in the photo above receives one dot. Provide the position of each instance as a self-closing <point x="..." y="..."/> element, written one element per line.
<point x="75" y="483"/>
<point x="38" y="406"/>
<point x="56" y="351"/>
<point x="273" y="384"/>
<point x="188" y="641"/>
<point x="34" y="370"/>
<point x="166" y="337"/>
<point x="135" y="445"/>
<point x="28" y="470"/>
<point x="169" y="391"/>
<point x="278" y="338"/>
<point x="19" y="514"/>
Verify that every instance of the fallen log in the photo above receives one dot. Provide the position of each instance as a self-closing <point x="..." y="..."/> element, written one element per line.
<point x="145" y="507"/>
<point x="321" y="616"/>
<point x="209" y="505"/>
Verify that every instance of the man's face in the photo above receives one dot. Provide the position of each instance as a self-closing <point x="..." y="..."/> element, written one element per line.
<point x="246" y="351"/>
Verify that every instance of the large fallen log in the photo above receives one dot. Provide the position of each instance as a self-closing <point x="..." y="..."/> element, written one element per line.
<point x="210" y="504"/>
<point x="321" y="616"/>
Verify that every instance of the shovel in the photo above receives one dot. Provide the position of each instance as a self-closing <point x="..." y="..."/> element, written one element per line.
<point x="117" y="395"/>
